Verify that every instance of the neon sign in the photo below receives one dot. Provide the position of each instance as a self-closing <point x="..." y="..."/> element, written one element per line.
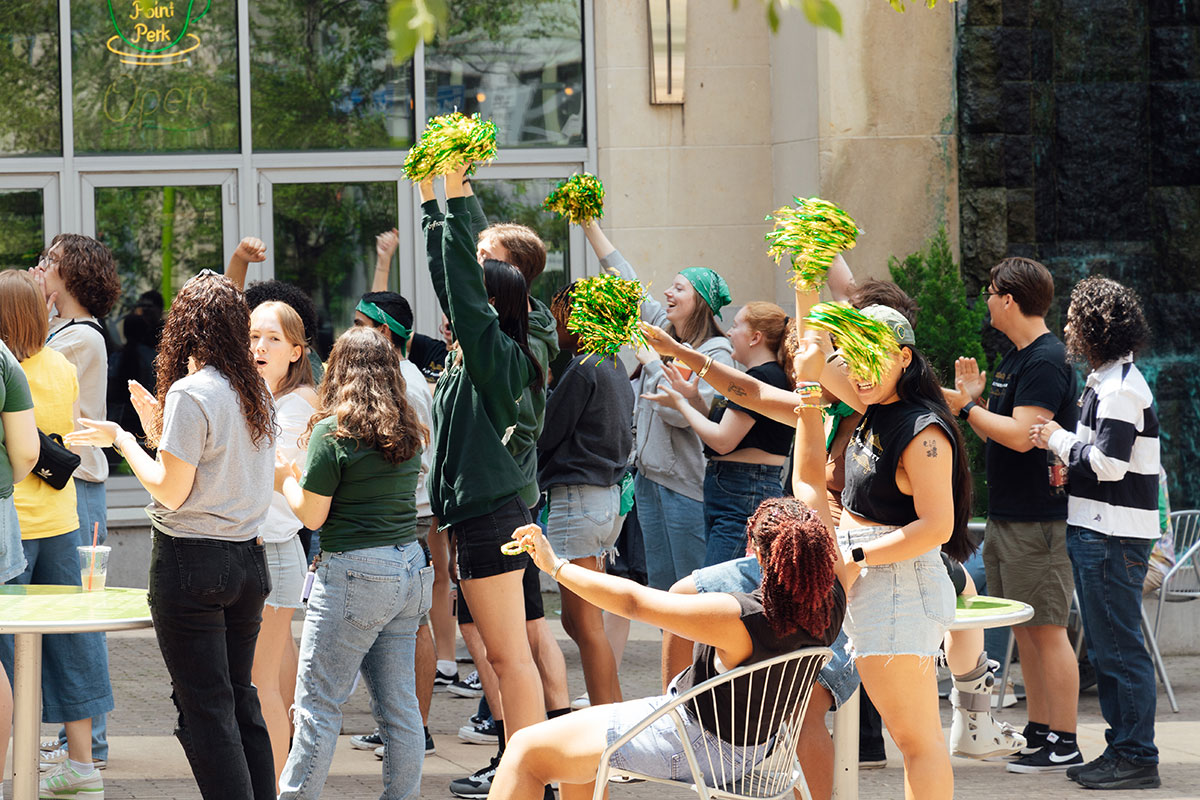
<point x="151" y="42"/>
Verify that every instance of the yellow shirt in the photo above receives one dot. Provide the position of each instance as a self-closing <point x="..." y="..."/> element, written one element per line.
<point x="42" y="510"/>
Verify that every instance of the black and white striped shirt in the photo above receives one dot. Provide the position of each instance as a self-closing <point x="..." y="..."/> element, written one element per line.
<point x="1113" y="456"/>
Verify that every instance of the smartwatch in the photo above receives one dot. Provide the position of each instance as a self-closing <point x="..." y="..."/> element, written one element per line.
<point x="858" y="556"/>
<point x="965" y="411"/>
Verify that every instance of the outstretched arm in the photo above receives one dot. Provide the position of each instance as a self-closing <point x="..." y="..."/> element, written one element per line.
<point x="249" y="250"/>
<point x="386" y="245"/>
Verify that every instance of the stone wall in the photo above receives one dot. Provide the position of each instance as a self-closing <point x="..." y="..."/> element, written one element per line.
<point x="1079" y="146"/>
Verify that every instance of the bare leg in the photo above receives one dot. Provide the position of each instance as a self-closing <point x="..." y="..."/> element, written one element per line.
<point x="426" y="665"/>
<point x="79" y="740"/>
<point x="474" y="643"/>
<point x="439" y="613"/>
<point x="815" y="746"/>
<point x="551" y="665"/>
<point x="676" y="654"/>
<point x="498" y="605"/>
<point x="904" y="690"/>
<point x="1054" y="690"/>
<point x="289" y="665"/>
<point x="584" y="623"/>
<point x="616" y="628"/>
<point x="565" y="749"/>
<point x="276" y="630"/>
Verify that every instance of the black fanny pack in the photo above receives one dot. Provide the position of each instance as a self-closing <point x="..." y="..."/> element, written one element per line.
<point x="56" y="464"/>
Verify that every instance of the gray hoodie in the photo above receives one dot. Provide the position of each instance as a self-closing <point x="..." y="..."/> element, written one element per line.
<point x="667" y="450"/>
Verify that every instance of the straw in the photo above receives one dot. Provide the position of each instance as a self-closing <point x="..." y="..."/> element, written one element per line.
<point x="95" y="539"/>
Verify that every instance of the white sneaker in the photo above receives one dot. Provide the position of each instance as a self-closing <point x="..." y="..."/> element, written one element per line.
<point x="65" y="783"/>
<point x="583" y="701"/>
<point x="49" y="759"/>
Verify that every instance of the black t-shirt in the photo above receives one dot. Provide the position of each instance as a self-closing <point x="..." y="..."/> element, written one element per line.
<point x="872" y="456"/>
<point x="428" y="354"/>
<point x="1038" y="375"/>
<point x="765" y="434"/>
<point x="716" y="717"/>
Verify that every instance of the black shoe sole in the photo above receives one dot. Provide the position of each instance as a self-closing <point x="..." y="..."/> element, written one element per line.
<point x="1128" y="783"/>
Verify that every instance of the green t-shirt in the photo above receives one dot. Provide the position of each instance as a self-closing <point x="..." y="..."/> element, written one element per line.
<point x="374" y="502"/>
<point x="14" y="396"/>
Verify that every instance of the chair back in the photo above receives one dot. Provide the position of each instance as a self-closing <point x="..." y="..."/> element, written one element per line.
<point x="1183" y="580"/>
<point x="752" y="752"/>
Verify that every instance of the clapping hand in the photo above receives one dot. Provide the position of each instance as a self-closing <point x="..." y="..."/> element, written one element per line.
<point x="144" y="403"/>
<point x="1041" y="432"/>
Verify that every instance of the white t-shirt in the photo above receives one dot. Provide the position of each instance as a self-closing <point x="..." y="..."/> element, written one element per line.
<point x="292" y="413"/>
<point x="84" y="347"/>
<point x="203" y="425"/>
<point x="421" y="399"/>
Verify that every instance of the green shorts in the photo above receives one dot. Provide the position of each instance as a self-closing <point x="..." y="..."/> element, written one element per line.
<point x="1027" y="561"/>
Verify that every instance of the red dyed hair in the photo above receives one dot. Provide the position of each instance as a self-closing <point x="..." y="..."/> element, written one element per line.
<point x="797" y="555"/>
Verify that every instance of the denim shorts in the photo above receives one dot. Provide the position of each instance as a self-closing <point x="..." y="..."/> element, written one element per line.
<point x="477" y="541"/>
<point x="285" y="562"/>
<point x="658" y="751"/>
<point x="12" y="555"/>
<point x="584" y="521"/>
<point x="902" y="608"/>
<point x="839" y="676"/>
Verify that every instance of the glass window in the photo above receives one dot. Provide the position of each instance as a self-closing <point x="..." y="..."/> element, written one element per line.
<point x="322" y="77"/>
<point x="521" y="201"/>
<point x="22" y="227"/>
<point x="160" y="236"/>
<point x="155" y="76"/>
<point x="518" y="62"/>
<point x="325" y="244"/>
<point x="29" y="93"/>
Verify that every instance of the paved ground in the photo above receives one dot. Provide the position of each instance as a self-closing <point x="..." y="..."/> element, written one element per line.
<point x="147" y="763"/>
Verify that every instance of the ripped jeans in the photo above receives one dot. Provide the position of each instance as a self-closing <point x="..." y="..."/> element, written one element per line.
<point x="362" y="614"/>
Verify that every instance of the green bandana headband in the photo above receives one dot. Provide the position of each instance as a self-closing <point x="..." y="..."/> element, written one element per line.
<point x="381" y="317"/>
<point x="710" y="286"/>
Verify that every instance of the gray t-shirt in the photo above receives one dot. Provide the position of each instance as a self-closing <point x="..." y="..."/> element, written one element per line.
<point x="204" y="426"/>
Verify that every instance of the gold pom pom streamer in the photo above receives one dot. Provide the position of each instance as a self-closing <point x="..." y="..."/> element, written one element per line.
<point x="605" y="311"/>
<point x="866" y="344"/>
<point x="449" y="141"/>
<point x="580" y="199"/>
<point x="810" y="233"/>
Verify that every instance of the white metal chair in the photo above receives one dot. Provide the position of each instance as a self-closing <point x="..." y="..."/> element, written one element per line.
<point x="773" y="729"/>
<point x="1179" y="585"/>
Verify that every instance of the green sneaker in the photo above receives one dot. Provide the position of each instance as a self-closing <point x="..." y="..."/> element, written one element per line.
<point x="65" y="782"/>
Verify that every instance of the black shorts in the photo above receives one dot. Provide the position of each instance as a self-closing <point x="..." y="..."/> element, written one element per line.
<point x="478" y="540"/>
<point x="531" y="585"/>
<point x="958" y="575"/>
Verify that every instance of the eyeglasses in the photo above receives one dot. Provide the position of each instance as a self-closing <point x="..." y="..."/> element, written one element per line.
<point x="45" y="260"/>
<point x="993" y="293"/>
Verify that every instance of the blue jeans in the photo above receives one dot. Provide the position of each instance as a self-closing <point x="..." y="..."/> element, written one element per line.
<point x="206" y="599"/>
<point x="732" y="493"/>
<point x="1109" y="572"/>
<point x="672" y="531"/>
<point x="362" y="615"/>
<point x="75" y="681"/>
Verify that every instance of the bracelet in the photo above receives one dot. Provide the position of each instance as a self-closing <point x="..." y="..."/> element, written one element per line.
<point x="119" y="440"/>
<point x="562" y="562"/>
<point x="803" y="405"/>
<point x="704" y="370"/>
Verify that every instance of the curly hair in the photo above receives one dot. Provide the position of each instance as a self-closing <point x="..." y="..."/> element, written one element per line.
<point x="364" y="389"/>
<point x="1105" y="321"/>
<point x="209" y="322"/>
<point x="88" y="271"/>
<point x="261" y="292"/>
<point x="797" y="554"/>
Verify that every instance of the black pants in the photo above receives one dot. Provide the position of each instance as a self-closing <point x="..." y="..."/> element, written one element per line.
<point x="206" y="599"/>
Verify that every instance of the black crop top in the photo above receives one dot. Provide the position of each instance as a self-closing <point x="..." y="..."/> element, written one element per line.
<point x="872" y="456"/>
<point x="717" y="717"/>
<point x="766" y="434"/>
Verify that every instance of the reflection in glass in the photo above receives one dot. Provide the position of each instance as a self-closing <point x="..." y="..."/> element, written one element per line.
<point x="29" y="92"/>
<point x="160" y="236"/>
<point x="521" y="201"/>
<point x="155" y="76"/>
<point x="22" y="227"/>
<point x="325" y="244"/>
<point x="322" y="77"/>
<point x="517" y="62"/>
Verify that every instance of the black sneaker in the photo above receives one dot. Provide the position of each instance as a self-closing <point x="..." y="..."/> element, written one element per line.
<point x="1073" y="772"/>
<point x="443" y="680"/>
<point x="481" y="733"/>
<point x="469" y="687"/>
<point x="368" y="741"/>
<point x="430" y="747"/>
<point x="1054" y="757"/>
<point x="1034" y="741"/>
<point x="1120" y="774"/>
<point x="476" y="785"/>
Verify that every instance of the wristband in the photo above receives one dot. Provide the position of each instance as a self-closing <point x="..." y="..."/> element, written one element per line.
<point x="562" y="562"/>
<point x="965" y="411"/>
<point x="704" y="370"/>
<point x="120" y="439"/>
<point x="858" y="556"/>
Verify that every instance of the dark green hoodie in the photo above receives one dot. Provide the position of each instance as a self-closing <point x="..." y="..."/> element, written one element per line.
<point x="486" y="418"/>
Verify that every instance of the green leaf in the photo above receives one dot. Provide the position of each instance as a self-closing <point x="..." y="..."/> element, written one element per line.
<point x="823" y="13"/>
<point x="411" y="21"/>
<point x="772" y="16"/>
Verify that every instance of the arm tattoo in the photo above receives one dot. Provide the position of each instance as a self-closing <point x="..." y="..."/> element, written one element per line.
<point x="735" y="390"/>
<point x="930" y="447"/>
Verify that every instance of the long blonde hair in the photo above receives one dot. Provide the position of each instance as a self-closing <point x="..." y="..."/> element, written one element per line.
<point x="299" y="372"/>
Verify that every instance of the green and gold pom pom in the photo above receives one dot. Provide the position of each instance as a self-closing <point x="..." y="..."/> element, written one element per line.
<point x="811" y="234"/>
<point x="605" y="311"/>
<point x="866" y="344"/>
<point x="449" y="141"/>
<point x="580" y="198"/>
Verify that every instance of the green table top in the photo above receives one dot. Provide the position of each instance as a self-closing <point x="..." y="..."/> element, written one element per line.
<point x="981" y="611"/>
<point x="69" y="609"/>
